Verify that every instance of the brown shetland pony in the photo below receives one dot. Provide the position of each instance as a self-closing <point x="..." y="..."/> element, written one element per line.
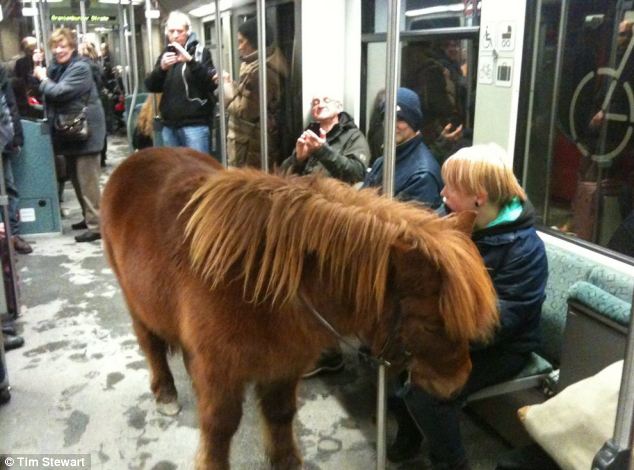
<point x="213" y="262"/>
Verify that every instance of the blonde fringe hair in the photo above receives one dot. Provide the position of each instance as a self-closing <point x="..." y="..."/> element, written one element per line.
<point x="145" y="121"/>
<point x="483" y="169"/>
<point x="61" y="34"/>
<point x="261" y="229"/>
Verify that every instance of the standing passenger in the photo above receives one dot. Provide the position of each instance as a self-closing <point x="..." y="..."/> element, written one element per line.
<point x="332" y="144"/>
<point x="183" y="73"/>
<point x="478" y="179"/>
<point x="416" y="172"/>
<point x="68" y="87"/>
<point x="243" y="100"/>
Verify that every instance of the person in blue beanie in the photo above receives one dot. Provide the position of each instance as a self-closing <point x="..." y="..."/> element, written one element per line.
<point x="417" y="173"/>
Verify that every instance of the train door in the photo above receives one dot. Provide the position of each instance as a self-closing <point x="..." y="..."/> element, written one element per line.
<point x="580" y="122"/>
<point x="438" y="47"/>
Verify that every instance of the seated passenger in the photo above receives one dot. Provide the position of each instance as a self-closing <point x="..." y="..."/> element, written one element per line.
<point x="416" y="173"/>
<point x="478" y="179"/>
<point x="332" y="144"/>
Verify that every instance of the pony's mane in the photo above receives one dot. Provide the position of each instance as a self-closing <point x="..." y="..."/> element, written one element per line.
<point x="261" y="229"/>
<point x="266" y="225"/>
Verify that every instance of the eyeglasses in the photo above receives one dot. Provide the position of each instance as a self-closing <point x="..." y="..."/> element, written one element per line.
<point x="316" y="101"/>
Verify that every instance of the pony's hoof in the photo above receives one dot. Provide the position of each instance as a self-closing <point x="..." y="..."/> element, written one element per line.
<point x="168" y="409"/>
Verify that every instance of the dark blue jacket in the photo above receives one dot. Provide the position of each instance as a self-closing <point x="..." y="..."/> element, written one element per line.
<point x="416" y="173"/>
<point x="516" y="259"/>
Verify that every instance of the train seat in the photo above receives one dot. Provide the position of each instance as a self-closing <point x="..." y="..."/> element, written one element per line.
<point x="575" y="284"/>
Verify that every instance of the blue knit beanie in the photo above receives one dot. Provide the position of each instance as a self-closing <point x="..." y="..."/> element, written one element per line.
<point x="408" y="108"/>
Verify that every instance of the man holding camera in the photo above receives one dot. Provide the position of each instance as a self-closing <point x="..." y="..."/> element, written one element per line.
<point x="183" y="73"/>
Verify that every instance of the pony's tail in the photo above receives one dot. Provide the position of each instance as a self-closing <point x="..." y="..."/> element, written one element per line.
<point x="468" y="301"/>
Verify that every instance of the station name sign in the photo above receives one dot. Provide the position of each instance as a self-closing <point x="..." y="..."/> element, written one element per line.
<point x="78" y="18"/>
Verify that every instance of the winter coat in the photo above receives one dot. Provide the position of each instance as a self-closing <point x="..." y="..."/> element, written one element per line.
<point x="416" y="173"/>
<point x="68" y="90"/>
<point x="7" y="90"/>
<point x="516" y="260"/>
<point x="243" y="134"/>
<point x="344" y="155"/>
<point x="187" y="88"/>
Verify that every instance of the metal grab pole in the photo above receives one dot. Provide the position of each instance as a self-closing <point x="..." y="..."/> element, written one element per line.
<point x="37" y="24"/>
<point x="554" y="107"/>
<point x="82" y="14"/>
<point x="391" y="84"/>
<point x="150" y="48"/>
<point x="221" y="90"/>
<point x="135" y="76"/>
<point x="262" y="72"/>
<point x="616" y="453"/>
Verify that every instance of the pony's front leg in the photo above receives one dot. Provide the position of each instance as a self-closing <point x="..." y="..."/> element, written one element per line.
<point x="278" y="404"/>
<point x="220" y="411"/>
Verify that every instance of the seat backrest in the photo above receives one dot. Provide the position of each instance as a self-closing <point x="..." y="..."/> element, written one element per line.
<point x="564" y="269"/>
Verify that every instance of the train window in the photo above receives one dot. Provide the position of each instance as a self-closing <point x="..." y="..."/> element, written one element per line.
<point x="422" y="14"/>
<point x="441" y="71"/>
<point x="583" y="141"/>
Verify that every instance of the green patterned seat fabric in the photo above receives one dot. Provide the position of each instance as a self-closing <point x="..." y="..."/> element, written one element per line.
<point x="601" y="302"/>
<point x="564" y="269"/>
<point x="618" y="284"/>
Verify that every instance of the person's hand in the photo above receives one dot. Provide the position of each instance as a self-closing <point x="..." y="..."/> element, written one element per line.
<point x="597" y="119"/>
<point x="38" y="57"/>
<point x="451" y="135"/>
<point x="168" y="60"/>
<point x="182" y="54"/>
<point x="39" y="72"/>
<point x="307" y="143"/>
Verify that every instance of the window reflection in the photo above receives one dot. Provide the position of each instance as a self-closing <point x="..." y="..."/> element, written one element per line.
<point x="590" y="192"/>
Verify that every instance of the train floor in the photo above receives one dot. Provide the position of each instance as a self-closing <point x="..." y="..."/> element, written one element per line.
<point x="80" y="384"/>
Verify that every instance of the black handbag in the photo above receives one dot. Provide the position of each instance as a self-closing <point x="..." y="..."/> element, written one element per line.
<point x="72" y="127"/>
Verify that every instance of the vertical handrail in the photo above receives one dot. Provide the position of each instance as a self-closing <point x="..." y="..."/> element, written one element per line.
<point x="531" y="92"/>
<point x="262" y="73"/>
<point x="617" y="453"/>
<point x="150" y="48"/>
<point x="221" y="90"/>
<point x="82" y="15"/>
<point x="135" y="75"/>
<point x="46" y="32"/>
<point x="554" y="105"/>
<point x="391" y="84"/>
<point x="125" y="51"/>
<point x="37" y="24"/>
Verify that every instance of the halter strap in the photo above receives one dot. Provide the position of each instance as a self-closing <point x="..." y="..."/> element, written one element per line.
<point x="380" y="359"/>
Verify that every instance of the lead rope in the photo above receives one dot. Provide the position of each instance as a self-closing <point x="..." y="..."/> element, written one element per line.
<point x="375" y="360"/>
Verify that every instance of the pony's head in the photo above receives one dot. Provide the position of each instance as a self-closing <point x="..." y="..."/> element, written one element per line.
<point x="445" y="300"/>
<point x="276" y="235"/>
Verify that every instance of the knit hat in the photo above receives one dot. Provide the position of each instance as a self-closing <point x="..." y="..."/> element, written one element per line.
<point x="408" y="108"/>
<point x="249" y="29"/>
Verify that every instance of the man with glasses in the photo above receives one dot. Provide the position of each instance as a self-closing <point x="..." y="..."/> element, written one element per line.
<point x="183" y="73"/>
<point x="416" y="173"/>
<point x="331" y="145"/>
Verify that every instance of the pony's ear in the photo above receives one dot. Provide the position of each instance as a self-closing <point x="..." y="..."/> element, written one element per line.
<point x="462" y="221"/>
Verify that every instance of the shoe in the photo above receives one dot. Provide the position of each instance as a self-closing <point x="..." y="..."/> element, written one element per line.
<point x="12" y="342"/>
<point x="329" y="361"/>
<point x="5" y="396"/>
<point x="8" y="330"/>
<point x="405" y="447"/>
<point x="80" y="226"/>
<point x="21" y="245"/>
<point x="88" y="237"/>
